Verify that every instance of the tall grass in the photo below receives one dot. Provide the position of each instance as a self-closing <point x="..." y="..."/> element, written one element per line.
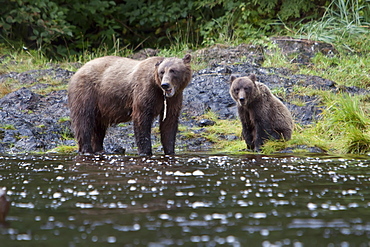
<point x="345" y="126"/>
<point x="342" y="18"/>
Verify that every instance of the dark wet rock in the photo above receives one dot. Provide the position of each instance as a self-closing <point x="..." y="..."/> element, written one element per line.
<point x="305" y="114"/>
<point x="23" y="99"/>
<point x="205" y="122"/>
<point x="209" y="91"/>
<point x="31" y="122"/>
<point x="9" y="136"/>
<point x="303" y="149"/>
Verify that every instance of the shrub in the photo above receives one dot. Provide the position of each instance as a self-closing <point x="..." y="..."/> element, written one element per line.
<point x="64" y="27"/>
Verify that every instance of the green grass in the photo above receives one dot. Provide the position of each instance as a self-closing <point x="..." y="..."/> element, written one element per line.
<point x="20" y="60"/>
<point x="8" y="127"/>
<point x="342" y="19"/>
<point x="64" y="149"/>
<point x="64" y="119"/>
<point x="343" y="128"/>
<point x="218" y="133"/>
<point x="345" y="69"/>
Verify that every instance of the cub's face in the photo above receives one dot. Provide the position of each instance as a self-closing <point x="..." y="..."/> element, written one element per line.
<point x="173" y="74"/>
<point x="243" y="89"/>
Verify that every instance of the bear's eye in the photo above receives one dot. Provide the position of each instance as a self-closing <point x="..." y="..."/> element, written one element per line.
<point x="172" y="71"/>
<point x="161" y="72"/>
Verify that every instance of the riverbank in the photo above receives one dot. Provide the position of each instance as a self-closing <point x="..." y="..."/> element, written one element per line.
<point x="34" y="117"/>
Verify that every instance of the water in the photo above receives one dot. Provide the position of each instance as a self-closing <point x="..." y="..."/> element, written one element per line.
<point x="187" y="200"/>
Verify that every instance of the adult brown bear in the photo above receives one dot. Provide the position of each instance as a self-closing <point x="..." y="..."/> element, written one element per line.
<point x="111" y="90"/>
<point x="263" y="116"/>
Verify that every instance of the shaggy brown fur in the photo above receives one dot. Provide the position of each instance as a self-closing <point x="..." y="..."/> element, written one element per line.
<point x="263" y="116"/>
<point x="111" y="90"/>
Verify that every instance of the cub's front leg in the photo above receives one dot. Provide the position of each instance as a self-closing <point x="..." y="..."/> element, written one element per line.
<point x="248" y="136"/>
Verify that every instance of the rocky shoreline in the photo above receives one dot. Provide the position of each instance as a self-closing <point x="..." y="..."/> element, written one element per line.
<point x="32" y="122"/>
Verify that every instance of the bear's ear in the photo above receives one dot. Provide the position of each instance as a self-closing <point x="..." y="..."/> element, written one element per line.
<point x="158" y="63"/>
<point x="187" y="58"/>
<point x="253" y="77"/>
<point x="232" y="78"/>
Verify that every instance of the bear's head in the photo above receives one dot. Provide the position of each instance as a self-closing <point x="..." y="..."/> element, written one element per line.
<point x="173" y="74"/>
<point x="243" y="89"/>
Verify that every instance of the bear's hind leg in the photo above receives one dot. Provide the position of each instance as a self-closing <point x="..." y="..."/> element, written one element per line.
<point x="82" y="131"/>
<point x="84" y="125"/>
<point x="97" y="138"/>
<point x="84" y="143"/>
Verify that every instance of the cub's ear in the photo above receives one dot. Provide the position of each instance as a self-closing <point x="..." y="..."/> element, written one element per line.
<point x="252" y="77"/>
<point x="158" y="63"/>
<point x="187" y="58"/>
<point x="232" y="78"/>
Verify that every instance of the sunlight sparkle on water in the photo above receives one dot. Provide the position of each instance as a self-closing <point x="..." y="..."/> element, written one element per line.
<point x="214" y="200"/>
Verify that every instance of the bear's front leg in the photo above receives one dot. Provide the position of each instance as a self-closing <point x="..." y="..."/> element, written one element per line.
<point x="168" y="129"/>
<point x="169" y="124"/>
<point x="263" y="130"/>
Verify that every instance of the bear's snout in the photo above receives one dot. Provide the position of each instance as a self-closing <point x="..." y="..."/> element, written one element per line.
<point x="168" y="89"/>
<point x="242" y="97"/>
<point x="165" y="85"/>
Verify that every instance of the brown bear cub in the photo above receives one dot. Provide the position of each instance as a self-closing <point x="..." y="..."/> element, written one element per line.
<point x="110" y="90"/>
<point x="263" y="116"/>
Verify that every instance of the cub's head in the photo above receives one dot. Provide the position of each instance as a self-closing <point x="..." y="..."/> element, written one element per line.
<point x="173" y="74"/>
<point x="243" y="89"/>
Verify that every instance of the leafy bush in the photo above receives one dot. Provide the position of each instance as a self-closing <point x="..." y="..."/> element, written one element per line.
<point x="35" y="22"/>
<point x="65" y="27"/>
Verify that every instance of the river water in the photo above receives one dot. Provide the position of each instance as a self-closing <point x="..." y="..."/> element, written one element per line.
<point x="186" y="200"/>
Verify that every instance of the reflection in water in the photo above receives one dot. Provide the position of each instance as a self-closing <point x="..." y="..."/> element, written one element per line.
<point x="4" y="207"/>
<point x="188" y="200"/>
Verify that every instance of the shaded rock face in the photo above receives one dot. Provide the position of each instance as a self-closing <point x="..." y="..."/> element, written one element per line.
<point x="30" y="122"/>
<point x="221" y="54"/>
<point x="302" y="50"/>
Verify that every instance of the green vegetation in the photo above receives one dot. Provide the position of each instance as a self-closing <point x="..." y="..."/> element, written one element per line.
<point x="65" y="28"/>
<point x="64" y="149"/>
<point x="222" y="134"/>
<point x="8" y="127"/>
<point x="37" y="34"/>
<point x="64" y="119"/>
<point x="345" y="125"/>
<point x="341" y="20"/>
<point x="9" y="86"/>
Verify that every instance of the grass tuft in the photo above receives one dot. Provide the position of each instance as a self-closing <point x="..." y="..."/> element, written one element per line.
<point x="64" y="149"/>
<point x="358" y="142"/>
